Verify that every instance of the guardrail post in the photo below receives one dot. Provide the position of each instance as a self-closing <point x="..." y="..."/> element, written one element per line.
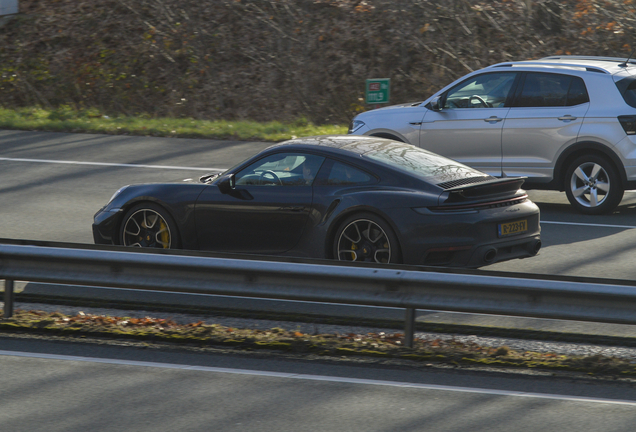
<point x="8" y="298"/>
<point x="409" y="327"/>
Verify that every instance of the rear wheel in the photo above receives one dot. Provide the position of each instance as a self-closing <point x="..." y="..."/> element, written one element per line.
<point x="592" y="185"/>
<point x="366" y="238"/>
<point x="148" y="225"/>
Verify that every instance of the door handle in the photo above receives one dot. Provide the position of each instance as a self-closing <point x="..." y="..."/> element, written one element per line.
<point x="493" y="119"/>
<point x="567" y="117"/>
<point x="292" y="208"/>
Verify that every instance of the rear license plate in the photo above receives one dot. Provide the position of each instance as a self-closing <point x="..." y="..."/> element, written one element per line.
<point x="512" y="228"/>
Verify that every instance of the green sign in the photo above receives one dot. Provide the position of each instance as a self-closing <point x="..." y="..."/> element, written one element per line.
<point x="377" y="90"/>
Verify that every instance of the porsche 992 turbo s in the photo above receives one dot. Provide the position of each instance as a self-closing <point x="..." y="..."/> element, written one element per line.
<point x="349" y="198"/>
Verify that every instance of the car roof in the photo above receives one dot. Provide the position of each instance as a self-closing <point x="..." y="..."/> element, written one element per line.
<point x="388" y="154"/>
<point x="352" y="144"/>
<point x="606" y="65"/>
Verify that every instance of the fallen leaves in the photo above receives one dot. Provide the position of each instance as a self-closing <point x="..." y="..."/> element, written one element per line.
<point x="382" y="345"/>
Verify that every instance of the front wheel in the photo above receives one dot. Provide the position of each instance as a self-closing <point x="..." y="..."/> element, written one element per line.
<point x="367" y="238"/>
<point x="592" y="185"/>
<point x="148" y="225"/>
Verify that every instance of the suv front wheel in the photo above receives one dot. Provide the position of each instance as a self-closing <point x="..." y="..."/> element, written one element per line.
<point x="593" y="185"/>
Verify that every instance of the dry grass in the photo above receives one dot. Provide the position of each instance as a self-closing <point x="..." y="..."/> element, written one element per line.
<point x="377" y="345"/>
<point x="278" y="60"/>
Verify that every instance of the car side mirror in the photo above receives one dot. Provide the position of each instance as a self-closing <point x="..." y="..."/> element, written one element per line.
<point x="226" y="184"/>
<point x="436" y="103"/>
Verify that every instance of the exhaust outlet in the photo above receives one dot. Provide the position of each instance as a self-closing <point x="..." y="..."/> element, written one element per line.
<point x="490" y="255"/>
<point x="536" y="247"/>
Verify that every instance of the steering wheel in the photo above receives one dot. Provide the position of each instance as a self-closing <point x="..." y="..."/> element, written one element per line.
<point x="481" y="101"/>
<point x="272" y="174"/>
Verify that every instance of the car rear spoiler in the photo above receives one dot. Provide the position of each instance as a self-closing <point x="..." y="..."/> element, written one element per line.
<point x="489" y="193"/>
<point x="494" y="186"/>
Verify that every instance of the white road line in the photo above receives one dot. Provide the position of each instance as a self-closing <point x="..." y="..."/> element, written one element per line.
<point x="109" y="164"/>
<point x="589" y="224"/>
<point x="320" y="378"/>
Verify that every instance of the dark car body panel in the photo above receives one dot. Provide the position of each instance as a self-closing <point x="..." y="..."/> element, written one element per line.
<point x="271" y="219"/>
<point x="438" y="220"/>
<point x="177" y="198"/>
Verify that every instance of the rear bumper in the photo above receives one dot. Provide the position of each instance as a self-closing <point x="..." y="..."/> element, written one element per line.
<point x="498" y="252"/>
<point x="472" y="240"/>
<point x="483" y="254"/>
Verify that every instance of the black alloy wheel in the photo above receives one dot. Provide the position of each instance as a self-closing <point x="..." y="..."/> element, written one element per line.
<point x="366" y="238"/>
<point x="148" y="225"/>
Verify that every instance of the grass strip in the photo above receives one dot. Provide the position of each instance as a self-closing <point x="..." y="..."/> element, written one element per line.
<point x="319" y="319"/>
<point x="370" y="345"/>
<point x="67" y="119"/>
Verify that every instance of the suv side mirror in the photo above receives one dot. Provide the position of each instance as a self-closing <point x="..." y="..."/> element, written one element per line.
<point x="436" y="103"/>
<point x="226" y="184"/>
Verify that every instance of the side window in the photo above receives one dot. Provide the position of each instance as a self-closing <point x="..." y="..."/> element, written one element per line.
<point x="488" y="90"/>
<point x="281" y="169"/>
<point x="346" y="175"/>
<point x="578" y="92"/>
<point x="552" y="90"/>
<point x="627" y="87"/>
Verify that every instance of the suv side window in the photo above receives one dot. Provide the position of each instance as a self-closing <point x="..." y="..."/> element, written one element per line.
<point x="551" y="90"/>
<point x="578" y="92"/>
<point x="488" y="90"/>
<point x="627" y="87"/>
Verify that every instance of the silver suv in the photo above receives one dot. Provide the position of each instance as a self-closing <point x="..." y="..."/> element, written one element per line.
<point x="564" y="122"/>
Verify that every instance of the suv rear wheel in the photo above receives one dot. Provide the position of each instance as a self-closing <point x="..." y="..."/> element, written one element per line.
<point x="593" y="185"/>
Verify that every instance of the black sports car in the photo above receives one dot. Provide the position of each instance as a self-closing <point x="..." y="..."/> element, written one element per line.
<point x="351" y="198"/>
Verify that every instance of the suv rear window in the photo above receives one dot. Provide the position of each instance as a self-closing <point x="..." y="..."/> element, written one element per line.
<point x="551" y="90"/>
<point x="627" y="88"/>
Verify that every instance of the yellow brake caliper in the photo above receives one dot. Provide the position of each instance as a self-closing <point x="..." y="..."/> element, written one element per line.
<point x="165" y="235"/>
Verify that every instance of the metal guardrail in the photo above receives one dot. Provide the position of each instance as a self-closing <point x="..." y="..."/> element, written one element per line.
<point x="400" y="287"/>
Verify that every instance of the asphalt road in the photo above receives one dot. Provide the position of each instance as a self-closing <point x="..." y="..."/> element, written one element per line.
<point x="57" y="386"/>
<point x="51" y="185"/>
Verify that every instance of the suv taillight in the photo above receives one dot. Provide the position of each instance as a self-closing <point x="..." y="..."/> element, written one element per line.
<point x="629" y="123"/>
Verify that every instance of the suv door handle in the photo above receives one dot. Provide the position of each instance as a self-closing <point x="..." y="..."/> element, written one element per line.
<point x="567" y="117"/>
<point x="493" y="119"/>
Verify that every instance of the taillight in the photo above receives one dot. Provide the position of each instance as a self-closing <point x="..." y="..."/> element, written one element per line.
<point x="629" y="123"/>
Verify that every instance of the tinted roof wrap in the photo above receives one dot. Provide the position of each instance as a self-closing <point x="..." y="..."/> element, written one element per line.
<point x="399" y="156"/>
<point x="421" y="163"/>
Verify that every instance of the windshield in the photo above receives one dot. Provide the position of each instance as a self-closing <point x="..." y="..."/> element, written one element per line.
<point x="420" y="163"/>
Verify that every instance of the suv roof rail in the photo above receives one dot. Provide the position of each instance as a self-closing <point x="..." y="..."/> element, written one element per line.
<point x="553" y="65"/>
<point x="593" y="58"/>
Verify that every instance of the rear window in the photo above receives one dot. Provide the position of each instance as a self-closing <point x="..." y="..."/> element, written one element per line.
<point x="346" y="175"/>
<point x="420" y="163"/>
<point x="627" y="88"/>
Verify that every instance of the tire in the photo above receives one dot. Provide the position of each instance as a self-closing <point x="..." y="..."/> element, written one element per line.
<point x="365" y="237"/>
<point x="149" y="225"/>
<point x="593" y="185"/>
<point x="388" y="136"/>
